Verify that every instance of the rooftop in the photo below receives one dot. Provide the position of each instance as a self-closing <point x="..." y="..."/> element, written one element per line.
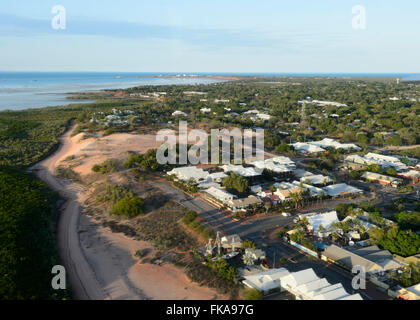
<point x="341" y="190"/>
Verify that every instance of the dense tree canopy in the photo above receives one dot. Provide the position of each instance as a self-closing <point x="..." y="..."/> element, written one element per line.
<point x="27" y="246"/>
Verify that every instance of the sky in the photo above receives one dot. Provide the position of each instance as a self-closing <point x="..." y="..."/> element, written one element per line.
<point x="230" y="36"/>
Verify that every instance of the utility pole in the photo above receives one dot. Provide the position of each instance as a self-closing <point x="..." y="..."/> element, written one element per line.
<point x="274" y="261"/>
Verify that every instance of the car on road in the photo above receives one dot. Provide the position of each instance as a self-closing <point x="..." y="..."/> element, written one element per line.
<point x="286" y="214"/>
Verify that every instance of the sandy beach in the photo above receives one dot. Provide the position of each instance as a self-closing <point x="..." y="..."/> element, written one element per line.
<point x="101" y="264"/>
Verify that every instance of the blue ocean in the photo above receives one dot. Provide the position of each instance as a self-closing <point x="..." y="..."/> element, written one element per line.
<point x="23" y="90"/>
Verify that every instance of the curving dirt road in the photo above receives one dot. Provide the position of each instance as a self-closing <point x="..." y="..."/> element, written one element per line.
<point x="83" y="281"/>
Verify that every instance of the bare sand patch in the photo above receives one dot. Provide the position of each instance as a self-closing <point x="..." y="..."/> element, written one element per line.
<point x="173" y="283"/>
<point x="92" y="151"/>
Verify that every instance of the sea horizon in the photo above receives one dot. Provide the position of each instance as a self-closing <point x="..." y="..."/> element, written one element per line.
<point x="21" y="90"/>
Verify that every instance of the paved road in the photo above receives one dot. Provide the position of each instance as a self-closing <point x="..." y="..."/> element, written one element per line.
<point x="217" y="220"/>
<point x="275" y="250"/>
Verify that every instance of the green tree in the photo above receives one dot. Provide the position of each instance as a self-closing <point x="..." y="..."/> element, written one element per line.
<point x="129" y="207"/>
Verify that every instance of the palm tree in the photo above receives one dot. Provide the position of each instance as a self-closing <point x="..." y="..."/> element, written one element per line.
<point x="267" y="206"/>
<point x="296" y="197"/>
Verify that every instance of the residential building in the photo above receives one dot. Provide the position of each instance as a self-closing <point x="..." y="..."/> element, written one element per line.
<point x="217" y="176"/>
<point x="241" y="171"/>
<point x="243" y="204"/>
<point x="382" y="179"/>
<point x="411" y="293"/>
<point x="341" y="190"/>
<point x="205" y="110"/>
<point x="221" y="195"/>
<point x="317" y="180"/>
<point x="306" y="285"/>
<point x="307" y="148"/>
<point x="323" y="219"/>
<point x="383" y="161"/>
<point x="412" y="175"/>
<point x="179" y="113"/>
<point x="372" y="259"/>
<point x="189" y="174"/>
<point x="331" y="143"/>
<point x="267" y="281"/>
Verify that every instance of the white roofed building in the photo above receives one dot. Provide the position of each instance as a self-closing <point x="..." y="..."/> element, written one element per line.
<point x="179" y="113"/>
<point x="331" y="143"/>
<point x="341" y="190"/>
<point x="241" y="170"/>
<point x="307" y="148"/>
<point x="384" y="162"/>
<point x="189" y="173"/>
<point x="317" y="180"/>
<point x="267" y="281"/>
<point x="220" y="194"/>
<point x="324" y="219"/>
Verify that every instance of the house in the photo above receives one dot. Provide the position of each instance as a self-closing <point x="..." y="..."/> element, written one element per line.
<point x="217" y="176"/>
<point x="275" y="199"/>
<point x="331" y="143"/>
<point x="179" y="113"/>
<point x="307" y="148"/>
<point x="286" y="194"/>
<point x="382" y="179"/>
<point x="194" y="93"/>
<point x="366" y="225"/>
<point x="386" y="161"/>
<point x="300" y="173"/>
<point x="255" y="189"/>
<point x="411" y="293"/>
<point x="241" y="171"/>
<point x="267" y="281"/>
<point x="205" y="110"/>
<point x="208" y="184"/>
<point x="189" y="174"/>
<point x="372" y="259"/>
<point x="328" y="103"/>
<point x="317" y="180"/>
<point x="274" y="167"/>
<point x="383" y="161"/>
<point x="243" y="204"/>
<point x="411" y="175"/>
<point x="221" y="195"/>
<point x="341" y="190"/>
<point x="323" y="219"/>
<point x="306" y="285"/>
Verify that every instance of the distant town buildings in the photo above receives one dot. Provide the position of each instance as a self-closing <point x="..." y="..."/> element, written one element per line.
<point x="383" y="161"/>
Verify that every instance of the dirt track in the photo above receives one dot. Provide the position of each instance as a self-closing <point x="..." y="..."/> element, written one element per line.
<point x="81" y="276"/>
<point x="99" y="263"/>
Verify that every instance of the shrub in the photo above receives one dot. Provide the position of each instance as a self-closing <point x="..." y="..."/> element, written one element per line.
<point x="189" y="217"/>
<point x="109" y="166"/>
<point x="253" y="294"/>
<point x="129" y="207"/>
